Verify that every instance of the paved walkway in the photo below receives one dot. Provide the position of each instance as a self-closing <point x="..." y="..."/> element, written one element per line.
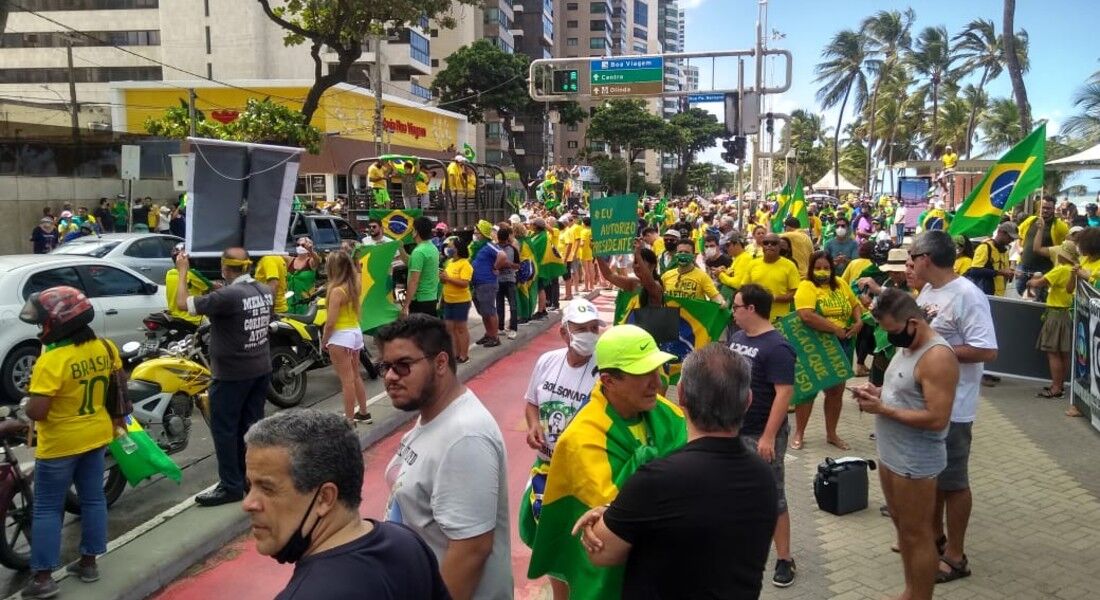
<point x="1034" y="532"/>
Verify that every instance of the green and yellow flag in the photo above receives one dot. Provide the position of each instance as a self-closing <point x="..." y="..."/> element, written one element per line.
<point x="145" y="458"/>
<point x="527" y="280"/>
<point x="798" y="205"/>
<point x="592" y="460"/>
<point x="377" y="306"/>
<point x="782" y="208"/>
<point x="397" y="224"/>
<point x="549" y="261"/>
<point x="1018" y="173"/>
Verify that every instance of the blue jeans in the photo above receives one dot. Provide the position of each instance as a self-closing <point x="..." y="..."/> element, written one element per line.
<point x="234" y="407"/>
<point x="52" y="479"/>
<point x="900" y="228"/>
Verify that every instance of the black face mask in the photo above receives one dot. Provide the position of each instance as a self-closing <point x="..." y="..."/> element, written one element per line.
<point x="903" y="338"/>
<point x="298" y="543"/>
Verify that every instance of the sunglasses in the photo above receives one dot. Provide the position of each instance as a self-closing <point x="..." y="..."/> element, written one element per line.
<point x="769" y="243"/>
<point x="401" y="367"/>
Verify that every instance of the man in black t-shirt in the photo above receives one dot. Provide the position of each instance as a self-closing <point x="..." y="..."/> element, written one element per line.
<point x="697" y="523"/>
<point x="765" y="429"/>
<point x="305" y="475"/>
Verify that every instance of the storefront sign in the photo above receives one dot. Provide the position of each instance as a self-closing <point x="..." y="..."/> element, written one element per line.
<point x="1086" y="351"/>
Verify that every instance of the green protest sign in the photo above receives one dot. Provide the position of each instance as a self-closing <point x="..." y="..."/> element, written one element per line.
<point x="820" y="360"/>
<point x="614" y="225"/>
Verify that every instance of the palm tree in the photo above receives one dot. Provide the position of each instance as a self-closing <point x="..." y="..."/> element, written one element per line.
<point x="980" y="49"/>
<point x="1015" y="69"/>
<point x="841" y="74"/>
<point x="887" y="33"/>
<point x="1001" y="125"/>
<point x="1086" y="124"/>
<point x="932" y="58"/>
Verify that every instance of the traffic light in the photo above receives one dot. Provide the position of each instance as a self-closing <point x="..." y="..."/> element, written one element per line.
<point x="735" y="149"/>
<point x="566" y="82"/>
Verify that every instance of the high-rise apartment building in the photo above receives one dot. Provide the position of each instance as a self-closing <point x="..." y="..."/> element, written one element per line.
<point x="691" y="78"/>
<point x="533" y="132"/>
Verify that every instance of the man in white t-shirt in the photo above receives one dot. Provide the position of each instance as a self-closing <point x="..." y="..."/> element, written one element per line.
<point x="559" y="387"/>
<point x="448" y="479"/>
<point x="899" y="222"/>
<point x="959" y="312"/>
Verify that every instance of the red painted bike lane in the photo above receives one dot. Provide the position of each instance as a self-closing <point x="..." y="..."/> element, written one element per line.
<point x="237" y="571"/>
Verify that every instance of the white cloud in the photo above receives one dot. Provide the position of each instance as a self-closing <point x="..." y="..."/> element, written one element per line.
<point x="691" y="4"/>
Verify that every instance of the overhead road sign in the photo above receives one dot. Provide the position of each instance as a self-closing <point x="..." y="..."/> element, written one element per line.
<point x="705" y="98"/>
<point x="627" y="89"/>
<point x="619" y="64"/>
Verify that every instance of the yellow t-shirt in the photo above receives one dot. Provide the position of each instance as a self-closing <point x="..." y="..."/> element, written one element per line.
<point x="737" y="271"/>
<point x="695" y="284"/>
<point x="422" y="181"/>
<point x="986" y="256"/>
<point x="962" y="265"/>
<point x="1058" y="231"/>
<point x="779" y="278"/>
<point x="950" y="160"/>
<point x="273" y="267"/>
<point x="659" y="246"/>
<point x="1093" y="268"/>
<point x="855" y="267"/>
<point x="1058" y="277"/>
<point x="835" y="305"/>
<point x="196" y="287"/>
<point x="349" y="312"/>
<point x="458" y="268"/>
<point x="567" y="239"/>
<point x="584" y="243"/>
<point x="76" y="378"/>
<point x="376" y="176"/>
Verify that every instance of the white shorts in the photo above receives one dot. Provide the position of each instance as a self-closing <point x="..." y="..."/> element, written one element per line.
<point x="347" y="338"/>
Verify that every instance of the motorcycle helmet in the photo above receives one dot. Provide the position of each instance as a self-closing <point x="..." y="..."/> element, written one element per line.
<point x="60" y="311"/>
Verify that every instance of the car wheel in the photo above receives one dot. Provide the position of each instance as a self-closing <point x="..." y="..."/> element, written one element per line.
<point x="15" y="374"/>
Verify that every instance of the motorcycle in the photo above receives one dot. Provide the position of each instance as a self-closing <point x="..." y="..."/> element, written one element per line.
<point x="161" y="329"/>
<point x="296" y="349"/>
<point x="164" y="391"/>
<point x="16" y="492"/>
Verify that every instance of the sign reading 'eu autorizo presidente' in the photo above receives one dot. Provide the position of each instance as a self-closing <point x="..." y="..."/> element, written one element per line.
<point x="614" y="225"/>
<point x="627" y="76"/>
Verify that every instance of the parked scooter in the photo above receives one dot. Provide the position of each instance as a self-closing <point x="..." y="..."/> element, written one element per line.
<point x="161" y="329"/>
<point x="296" y="349"/>
<point x="164" y="391"/>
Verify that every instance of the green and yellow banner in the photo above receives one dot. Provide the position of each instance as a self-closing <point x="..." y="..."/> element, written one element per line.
<point x="377" y="307"/>
<point x="397" y="224"/>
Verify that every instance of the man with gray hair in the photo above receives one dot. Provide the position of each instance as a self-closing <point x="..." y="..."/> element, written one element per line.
<point x="305" y="478"/>
<point x="701" y="519"/>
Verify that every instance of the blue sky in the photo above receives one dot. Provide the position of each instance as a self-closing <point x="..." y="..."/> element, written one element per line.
<point x="1063" y="49"/>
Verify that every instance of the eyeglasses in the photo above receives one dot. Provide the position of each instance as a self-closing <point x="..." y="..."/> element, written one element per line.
<point x="917" y="255"/>
<point x="737" y="306"/>
<point x="769" y="243"/>
<point x="401" y="367"/>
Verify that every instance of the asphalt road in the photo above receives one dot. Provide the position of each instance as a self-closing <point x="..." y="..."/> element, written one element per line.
<point x="138" y="505"/>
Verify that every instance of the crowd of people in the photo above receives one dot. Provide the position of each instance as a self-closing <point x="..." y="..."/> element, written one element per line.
<point x="106" y="217"/>
<point x="620" y="502"/>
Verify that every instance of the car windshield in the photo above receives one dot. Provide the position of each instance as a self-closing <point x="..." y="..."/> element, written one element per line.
<point x="96" y="248"/>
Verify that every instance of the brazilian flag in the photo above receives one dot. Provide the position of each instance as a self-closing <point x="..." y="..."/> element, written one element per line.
<point x="701" y="322"/>
<point x="377" y="307"/>
<point x="527" y="280"/>
<point x="397" y="224"/>
<point x="547" y="259"/>
<point x="1018" y="173"/>
<point x="782" y="209"/>
<point x="144" y="458"/>
<point x="798" y="205"/>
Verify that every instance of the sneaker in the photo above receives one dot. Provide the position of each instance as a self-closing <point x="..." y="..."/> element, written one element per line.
<point x="491" y="343"/>
<point x="500" y="332"/>
<point x="364" y="417"/>
<point x="784" y="573"/>
<point x="512" y="334"/>
<point x="552" y="308"/>
<point x="482" y="341"/>
<point x="41" y="589"/>
<point x="86" y="573"/>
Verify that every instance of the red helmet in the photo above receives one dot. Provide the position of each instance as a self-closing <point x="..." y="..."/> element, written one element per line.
<point x="60" y="311"/>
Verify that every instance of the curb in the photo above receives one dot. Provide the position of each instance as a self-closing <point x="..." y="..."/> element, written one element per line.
<point x="156" y="553"/>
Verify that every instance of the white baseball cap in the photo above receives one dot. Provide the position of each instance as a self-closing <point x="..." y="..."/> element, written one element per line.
<point x="580" y="311"/>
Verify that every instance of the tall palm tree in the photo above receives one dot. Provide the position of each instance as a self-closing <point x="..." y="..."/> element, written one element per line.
<point x="1086" y="124"/>
<point x="981" y="50"/>
<point x="932" y="59"/>
<point x="1015" y="69"/>
<point x="841" y="74"/>
<point x="1001" y="125"/>
<point x="888" y="34"/>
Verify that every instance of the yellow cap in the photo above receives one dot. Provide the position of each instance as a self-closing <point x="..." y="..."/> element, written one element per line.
<point x="630" y="349"/>
<point x="485" y="228"/>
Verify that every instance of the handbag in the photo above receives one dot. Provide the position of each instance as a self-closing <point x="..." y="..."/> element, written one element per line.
<point x="116" y="402"/>
<point x="662" y="322"/>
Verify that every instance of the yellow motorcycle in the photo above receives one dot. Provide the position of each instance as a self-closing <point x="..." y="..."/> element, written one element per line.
<point x="296" y="348"/>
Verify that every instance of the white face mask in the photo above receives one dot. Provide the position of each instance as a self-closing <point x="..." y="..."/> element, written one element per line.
<point x="584" y="342"/>
<point x="841" y="231"/>
<point x="711" y="252"/>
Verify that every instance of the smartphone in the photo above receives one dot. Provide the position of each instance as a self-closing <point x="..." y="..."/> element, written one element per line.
<point x="855" y="391"/>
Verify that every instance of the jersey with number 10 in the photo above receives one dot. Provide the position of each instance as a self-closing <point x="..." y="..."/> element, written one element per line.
<point x="76" y="379"/>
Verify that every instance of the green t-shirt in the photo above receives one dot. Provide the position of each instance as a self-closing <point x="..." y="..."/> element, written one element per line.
<point x="424" y="259"/>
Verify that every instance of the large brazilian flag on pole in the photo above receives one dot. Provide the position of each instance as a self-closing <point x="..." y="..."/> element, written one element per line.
<point x="782" y="209"/>
<point x="1018" y="173"/>
<point x="550" y="263"/>
<point x="798" y="205"/>
<point x="377" y="307"/>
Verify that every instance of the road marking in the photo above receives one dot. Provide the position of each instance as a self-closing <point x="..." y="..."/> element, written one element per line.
<point x="375" y="398"/>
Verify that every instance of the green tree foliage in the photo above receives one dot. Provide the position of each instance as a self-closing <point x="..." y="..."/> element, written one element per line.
<point x="342" y="27"/>
<point x="698" y="130"/>
<point x="842" y="73"/>
<point x="629" y="126"/>
<point x="481" y="80"/>
<point x="1086" y="124"/>
<point x="809" y="142"/>
<point x="262" y="121"/>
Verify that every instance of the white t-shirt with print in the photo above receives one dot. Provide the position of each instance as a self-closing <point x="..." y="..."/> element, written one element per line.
<point x="559" y="391"/>
<point x="960" y="314"/>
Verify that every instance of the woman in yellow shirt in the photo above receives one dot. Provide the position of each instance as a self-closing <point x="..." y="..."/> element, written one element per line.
<point x="455" y="276"/>
<point x="1056" y="335"/>
<point x="964" y="255"/>
<point x="342" y="337"/>
<point x="68" y="391"/>
<point x="584" y="254"/>
<point x="826" y="303"/>
<point x="858" y="265"/>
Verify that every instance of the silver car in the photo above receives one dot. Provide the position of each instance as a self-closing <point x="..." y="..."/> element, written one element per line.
<point x="147" y="253"/>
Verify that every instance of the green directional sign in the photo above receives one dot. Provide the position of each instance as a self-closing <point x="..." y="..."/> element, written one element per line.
<point x="629" y="76"/>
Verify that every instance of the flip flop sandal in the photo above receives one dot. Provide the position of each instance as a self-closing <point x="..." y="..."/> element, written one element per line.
<point x="958" y="571"/>
<point x="1048" y="393"/>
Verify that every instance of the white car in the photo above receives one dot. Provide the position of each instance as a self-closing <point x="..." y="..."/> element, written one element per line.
<point x="121" y="297"/>
<point x="147" y="253"/>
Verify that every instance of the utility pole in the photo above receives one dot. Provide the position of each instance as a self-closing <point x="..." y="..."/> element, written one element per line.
<point x="376" y="83"/>
<point x="74" y="108"/>
<point x="191" y="110"/>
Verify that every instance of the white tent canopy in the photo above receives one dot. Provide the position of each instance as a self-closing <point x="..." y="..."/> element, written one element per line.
<point x="1086" y="159"/>
<point x="828" y="182"/>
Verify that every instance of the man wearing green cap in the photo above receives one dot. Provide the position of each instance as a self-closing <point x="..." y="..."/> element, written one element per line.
<point x="625" y="424"/>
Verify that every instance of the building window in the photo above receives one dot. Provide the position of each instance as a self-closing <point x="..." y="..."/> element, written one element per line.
<point x="503" y="45"/>
<point x="495" y="157"/>
<point x="598" y="7"/>
<point x="419" y="48"/>
<point x="423" y="23"/>
<point x="42" y="5"/>
<point x="206" y="7"/>
<point x="548" y="7"/>
<point x="497" y="16"/>
<point x="640" y="33"/>
<point x="571" y="127"/>
<point x="597" y="25"/>
<point x="547" y="26"/>
<point x="640" y="47"/>
<point x="571" y="144"/>
<point x="571" y="24"/>
<point x="208" y="39"/>
<point x="641" y="13"/>
<point x="81" y="75"/>
<point x="420" y="91"/>
<point x="56" y="39"/>
<point x="597" y="43"/>
<point x="494" y="131"/>
<point x="570" y="6"/>
<point x="570" y="41"/>
<point x="435" y="63"/>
